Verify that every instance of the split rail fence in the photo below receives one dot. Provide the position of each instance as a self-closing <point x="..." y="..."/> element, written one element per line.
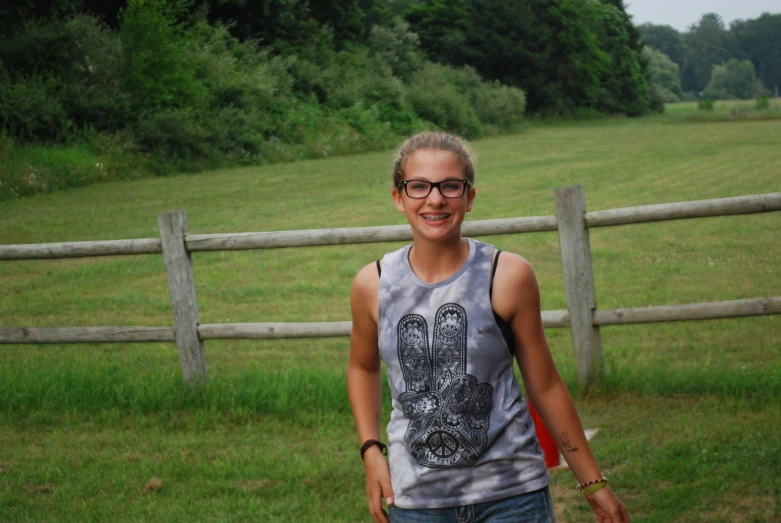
<point x="571" y="221"/>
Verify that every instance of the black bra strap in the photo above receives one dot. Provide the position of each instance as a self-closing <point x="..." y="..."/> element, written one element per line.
<point x="379" y="269"/>
<point x="493" y="271"/>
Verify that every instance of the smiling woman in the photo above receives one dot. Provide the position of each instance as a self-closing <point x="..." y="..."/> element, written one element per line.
<point x="461" y="442"/>
<point x="434" y="197"/>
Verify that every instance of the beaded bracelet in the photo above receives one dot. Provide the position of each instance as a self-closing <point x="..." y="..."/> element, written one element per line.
<point x="595" y="487"/>
<point x="589" y="487"/>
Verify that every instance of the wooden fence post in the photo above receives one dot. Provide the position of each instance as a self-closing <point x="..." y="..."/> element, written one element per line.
<point x="578" y="281"/>
<point x="181" y="285"/>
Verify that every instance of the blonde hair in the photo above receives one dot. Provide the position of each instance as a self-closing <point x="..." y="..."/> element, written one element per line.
<point x="438" y="142"/>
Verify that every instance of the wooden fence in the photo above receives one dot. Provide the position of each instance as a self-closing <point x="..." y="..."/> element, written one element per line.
<point x="571" y="220"/>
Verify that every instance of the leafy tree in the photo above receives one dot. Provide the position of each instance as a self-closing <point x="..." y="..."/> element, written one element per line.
<point x="664" y="75"/>
<point x="733" y="79"/>
<point x="502" y="44"/>
<point x="563" y="53"/>
<point x="351" y="20"/>
<point x="398" y="47"/>
<point x="624" y="84"/>
<point x="708" y="43"/>
<point x="279" y="23"/>
<point x="158" y="67"/>
<point x="575" y="62"/>
<point x="442" y="26"/>
<point x="15" y="14"/>
<point x="664" y="38"/>
<point x="760" y="41"/>
<point x="398" y="7"/>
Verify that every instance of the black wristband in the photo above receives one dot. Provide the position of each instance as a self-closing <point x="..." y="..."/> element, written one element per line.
<point x="370" y="443"/>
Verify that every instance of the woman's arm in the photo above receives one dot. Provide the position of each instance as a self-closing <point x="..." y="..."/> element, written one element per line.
<point x="364" y="386"/>
<point x="516" y="299"/>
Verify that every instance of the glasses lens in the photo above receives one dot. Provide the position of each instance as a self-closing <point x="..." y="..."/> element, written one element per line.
<point x="418" y="188"/>
<point x="452" y="189"/>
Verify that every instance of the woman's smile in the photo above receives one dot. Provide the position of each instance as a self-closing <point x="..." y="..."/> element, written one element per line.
<point x="435" y="217"/>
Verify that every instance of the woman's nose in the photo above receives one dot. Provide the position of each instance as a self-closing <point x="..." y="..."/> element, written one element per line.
<point x="435" y="196"/>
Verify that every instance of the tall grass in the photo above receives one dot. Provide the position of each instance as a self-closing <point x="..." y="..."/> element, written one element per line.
<point x="82" y="386"/>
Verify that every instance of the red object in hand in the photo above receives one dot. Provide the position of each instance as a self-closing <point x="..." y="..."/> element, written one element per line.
<point x="549" y="448"/>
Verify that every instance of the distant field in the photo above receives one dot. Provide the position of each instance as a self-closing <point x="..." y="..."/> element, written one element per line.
<point x="722" y="109"/>
<point x="272" y="435"/>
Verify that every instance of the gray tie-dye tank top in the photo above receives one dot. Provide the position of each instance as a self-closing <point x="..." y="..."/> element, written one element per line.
<point x="460" y="432"/>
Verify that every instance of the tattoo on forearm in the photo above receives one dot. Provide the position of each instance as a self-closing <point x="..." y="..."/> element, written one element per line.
<point x="566" y="444"/>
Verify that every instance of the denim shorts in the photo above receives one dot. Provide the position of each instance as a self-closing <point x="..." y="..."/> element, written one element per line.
<point x="532" y="507"/>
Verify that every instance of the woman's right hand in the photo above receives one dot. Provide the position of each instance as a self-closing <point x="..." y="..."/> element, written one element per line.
<point x="378" y="483"/>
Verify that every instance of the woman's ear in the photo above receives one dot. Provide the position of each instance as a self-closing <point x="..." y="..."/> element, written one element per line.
<point x="470" y="198"/>
<point x="397" y="198"/>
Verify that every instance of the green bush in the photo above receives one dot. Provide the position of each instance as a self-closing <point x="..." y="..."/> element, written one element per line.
<point x="29" y="111"/>
<point x="732" y="79"/>
<point x="587" y="113"/>
<point x="64" y="77"/>
<point x="705" y="104"/>
<point x="500" y="105"/>
<point x="436" y="99"/>
<point x="179" y="138"/>
<point x="763" y="102"/>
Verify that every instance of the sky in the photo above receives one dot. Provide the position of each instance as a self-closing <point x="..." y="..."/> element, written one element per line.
<point x="682" y="13"/>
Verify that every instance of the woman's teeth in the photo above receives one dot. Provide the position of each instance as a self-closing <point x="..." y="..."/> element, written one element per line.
<point x="434" y="217"/>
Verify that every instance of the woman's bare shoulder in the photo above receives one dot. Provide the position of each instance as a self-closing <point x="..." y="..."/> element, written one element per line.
<point x="367" y="281"/>
<point x="513" y="268"/>
<point x="514" y="286"/>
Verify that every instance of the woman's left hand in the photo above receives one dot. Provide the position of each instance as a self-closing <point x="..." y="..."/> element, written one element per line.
<point x="607" y="507"/>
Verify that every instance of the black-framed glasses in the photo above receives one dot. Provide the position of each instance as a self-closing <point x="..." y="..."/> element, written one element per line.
<point x="420" y="189"/>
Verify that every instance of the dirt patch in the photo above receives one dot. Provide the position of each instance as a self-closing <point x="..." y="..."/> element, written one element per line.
<point x="38" y="489"/>
<point x="254" y="484"/>
<point x="153" y="485"/>
<point x="132" y="457"/>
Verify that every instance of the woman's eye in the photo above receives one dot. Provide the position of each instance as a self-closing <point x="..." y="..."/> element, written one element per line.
<point x="452" y="186"/>
<point x="418" y="186"/>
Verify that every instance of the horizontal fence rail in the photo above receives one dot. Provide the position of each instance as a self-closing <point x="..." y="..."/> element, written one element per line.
<point x="355" y="235"/>
<point x="50" y="251"/>
<point x="86" y="334"/>
<point x="690" y="311"/>
<point x="392" y="233"/>
<point x="572" y="223"/>
<point x="678" y="211"/>
<point x="329" y="329"/>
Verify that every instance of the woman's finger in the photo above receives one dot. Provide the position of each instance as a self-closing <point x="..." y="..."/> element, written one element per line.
<point x="387" y="491"/>
<point x="375" y="504"/>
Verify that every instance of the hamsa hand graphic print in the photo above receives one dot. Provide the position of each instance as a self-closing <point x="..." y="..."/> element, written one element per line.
<point x="449" y="411"/>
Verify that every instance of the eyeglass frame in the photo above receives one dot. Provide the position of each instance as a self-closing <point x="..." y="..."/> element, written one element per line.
<point x="432" y="185"/>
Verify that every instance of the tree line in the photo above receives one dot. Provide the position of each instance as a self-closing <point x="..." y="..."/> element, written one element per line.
<point x="173" y="85"/>
<point x="713" y="61"/>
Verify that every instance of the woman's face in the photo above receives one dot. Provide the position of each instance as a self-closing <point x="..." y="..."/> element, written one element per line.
<point x="434" y="217"/>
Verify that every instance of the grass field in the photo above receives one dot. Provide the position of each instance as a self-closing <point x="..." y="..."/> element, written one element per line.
<point x="688" y="412"/>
